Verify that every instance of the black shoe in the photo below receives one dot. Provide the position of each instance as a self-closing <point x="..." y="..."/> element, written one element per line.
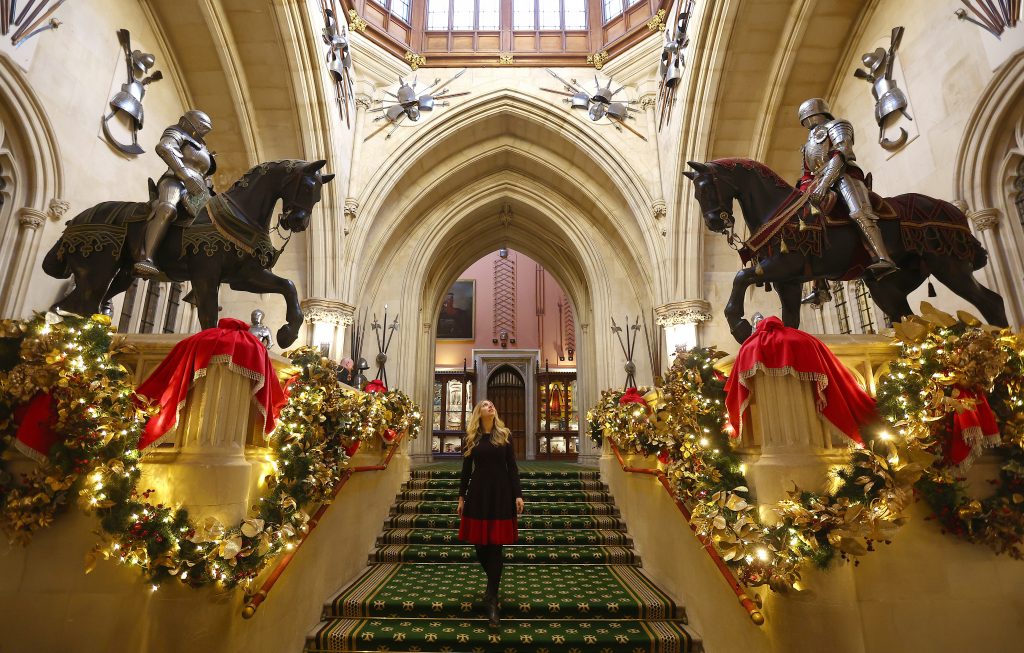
<point x="882" y="268"/>
<point x="493" y="619"/>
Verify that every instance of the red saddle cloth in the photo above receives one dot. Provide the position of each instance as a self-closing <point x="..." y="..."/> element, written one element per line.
<point x="229" y="343"/>
<point x="778" y="350"/>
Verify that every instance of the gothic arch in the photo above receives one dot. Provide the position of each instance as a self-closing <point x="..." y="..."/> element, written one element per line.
<point x="990" y="153"/>
<point x="530" y="134"/>
<point x="34" y="178"/>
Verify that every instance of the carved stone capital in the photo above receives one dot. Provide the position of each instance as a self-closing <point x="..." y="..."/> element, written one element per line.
<point x="58" y="208"/>
<point x="659" y="209"/>
<point x="648" y="101"/>
<point x="351" y="207"/>
<point x="328" y="311"/>
<point x="364" y="100"/>
<point x="984" y="219"/>
<point x="30" y="218"/>
<point x="688" y="311"/>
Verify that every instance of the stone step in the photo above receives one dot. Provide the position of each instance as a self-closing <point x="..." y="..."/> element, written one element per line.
<point x="533" y="508"/>
<point x="536" y="537"/>
<point x="580" y="554"/>
<point x="526" y="522"/>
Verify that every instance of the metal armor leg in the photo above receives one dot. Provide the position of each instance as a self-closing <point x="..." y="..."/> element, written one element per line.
<point x="820" y="294"/>
<point x="164" y="210"/>
<point x="855" y="194"/>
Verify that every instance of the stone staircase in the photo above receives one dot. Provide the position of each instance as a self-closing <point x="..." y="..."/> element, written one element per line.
<point x="572" y="584"/>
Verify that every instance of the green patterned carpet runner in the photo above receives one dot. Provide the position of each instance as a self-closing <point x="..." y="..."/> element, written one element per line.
<point x="572" y="584"/>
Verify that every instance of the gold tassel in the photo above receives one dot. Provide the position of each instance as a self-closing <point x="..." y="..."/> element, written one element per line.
<point x="783" y="248"/>
<point x="803" y="225"/>
<point x="758" y="270"/>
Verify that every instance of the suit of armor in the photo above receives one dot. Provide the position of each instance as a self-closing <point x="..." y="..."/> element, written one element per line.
<point x="830" y="164"/>
<point x="189" y="165"/>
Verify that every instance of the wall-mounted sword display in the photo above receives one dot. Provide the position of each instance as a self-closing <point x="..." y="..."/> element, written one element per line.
<point x="670" y="69"/>
<point x="628" y="348"/>
<point x="338" y="58"/>
<point x="994" y="16"/>
<point x="127" y="102"/>
<point x="358" y="337"/>
<point x="599" y="104"/>
<point x="409" y="103"/>
<point x="385" y="333"/>
<point x="28" y="18"/>
<point x="890" y="100"/>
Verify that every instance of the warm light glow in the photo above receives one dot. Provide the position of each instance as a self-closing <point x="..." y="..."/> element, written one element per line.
<point x="680" y="335"/>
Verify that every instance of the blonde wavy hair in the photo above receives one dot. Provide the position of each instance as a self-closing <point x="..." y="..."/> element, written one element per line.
<point x="499" y="433"/>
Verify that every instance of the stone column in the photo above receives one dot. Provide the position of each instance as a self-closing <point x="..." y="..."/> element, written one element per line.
<point x="23" y="260"/>
<point x="1005" y="267"/>
<point x="208" y="471"/>
<point x="680" y="320"/>
<point x="329" y="320"/>
<point x="787" y="444"/>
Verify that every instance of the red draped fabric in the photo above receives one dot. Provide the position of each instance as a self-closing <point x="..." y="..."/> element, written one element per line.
<point x="632" y="396"/>
<point x="778" y="350"/>
<point x="973" y="430"/>
<point x="229" y="343"/>
<point x="35" y="435"/>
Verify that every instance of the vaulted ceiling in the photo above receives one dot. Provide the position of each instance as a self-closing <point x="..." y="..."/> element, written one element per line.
<point x="240" y="60"/>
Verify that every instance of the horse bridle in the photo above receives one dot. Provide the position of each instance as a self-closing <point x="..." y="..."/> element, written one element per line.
<point x="735" y="242"/>
<point x="293" y="192"/>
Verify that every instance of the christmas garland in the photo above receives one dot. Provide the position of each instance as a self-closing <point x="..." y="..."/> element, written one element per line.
<point x="866" y="497"/>
<point x="99" y="421"/>
<point x="956" y="366"/>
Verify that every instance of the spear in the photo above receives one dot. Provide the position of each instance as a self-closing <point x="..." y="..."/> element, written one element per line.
<point x="623" y="123"/>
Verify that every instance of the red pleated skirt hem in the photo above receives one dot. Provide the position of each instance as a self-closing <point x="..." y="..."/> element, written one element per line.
<point x="488" y="531"/>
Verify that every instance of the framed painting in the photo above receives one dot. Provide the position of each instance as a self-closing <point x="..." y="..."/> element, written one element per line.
<point x="456" y="318"/>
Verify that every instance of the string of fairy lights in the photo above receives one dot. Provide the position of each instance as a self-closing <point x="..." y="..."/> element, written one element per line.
<point x="865" y="498"/>
<point x="70" y="363"/>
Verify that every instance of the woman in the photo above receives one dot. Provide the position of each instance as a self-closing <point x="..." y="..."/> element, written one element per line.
<point x="490" y="496"/>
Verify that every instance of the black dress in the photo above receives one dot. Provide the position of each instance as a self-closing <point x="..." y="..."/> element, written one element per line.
<point x="490" y="484"/>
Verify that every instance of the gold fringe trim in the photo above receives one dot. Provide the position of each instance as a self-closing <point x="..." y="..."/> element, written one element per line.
<point x="820" y="381"/>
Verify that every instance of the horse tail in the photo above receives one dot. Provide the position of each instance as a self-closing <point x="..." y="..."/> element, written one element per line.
<point x="54" y="263"/>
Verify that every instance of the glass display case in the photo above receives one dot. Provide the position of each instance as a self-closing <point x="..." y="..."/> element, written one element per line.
<point x="557" y="415"/>
<point x="452" y="406"/>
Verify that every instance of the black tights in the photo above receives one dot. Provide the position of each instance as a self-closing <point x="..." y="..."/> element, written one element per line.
<point x="490" y="556"/>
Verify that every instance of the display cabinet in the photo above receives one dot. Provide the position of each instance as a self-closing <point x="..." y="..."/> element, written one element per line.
<point x="452" y="406"/>
<point x="558" y="431"/>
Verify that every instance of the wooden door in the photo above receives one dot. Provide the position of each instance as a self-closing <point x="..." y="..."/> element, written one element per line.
<point x="507" y="391"/>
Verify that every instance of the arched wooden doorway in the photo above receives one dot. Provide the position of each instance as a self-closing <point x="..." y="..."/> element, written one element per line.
<point x="507" y="390"/>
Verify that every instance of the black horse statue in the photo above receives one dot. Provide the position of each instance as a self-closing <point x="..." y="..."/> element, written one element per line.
<point x="790" y="243"/>
<point x="227" y="242"/>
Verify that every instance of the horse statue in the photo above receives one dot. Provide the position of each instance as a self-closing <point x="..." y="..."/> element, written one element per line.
<point x="228" y="241"/>
<point x="790" y="243"/>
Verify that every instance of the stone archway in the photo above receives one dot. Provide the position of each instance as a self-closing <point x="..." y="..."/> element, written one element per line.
<point x="990" y="154"/>
<point x="442" y="214"/>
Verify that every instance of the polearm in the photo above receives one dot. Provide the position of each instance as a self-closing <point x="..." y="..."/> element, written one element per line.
<point x="623" y="123"/>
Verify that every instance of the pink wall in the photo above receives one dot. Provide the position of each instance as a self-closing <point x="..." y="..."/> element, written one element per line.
<point x="532" y="331"/>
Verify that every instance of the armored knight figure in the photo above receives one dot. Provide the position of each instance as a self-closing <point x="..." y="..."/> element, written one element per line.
<point x="260" y="330"/>
<point x="829" y="164"/>
<point x="189" y="166"/>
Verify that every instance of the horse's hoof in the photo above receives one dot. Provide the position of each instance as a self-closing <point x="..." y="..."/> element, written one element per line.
<point x="286" y="335"/>
<point x="742" y="330"/>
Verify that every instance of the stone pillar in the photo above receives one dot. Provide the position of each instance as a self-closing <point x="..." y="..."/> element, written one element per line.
<point x="1005" y="267"/>
<point x="787" y="444"/>
<point x="680" y="320"/>
<point x="209" y="472"/>
<point x="23" y="260"/>
<point x="329" y="320"/>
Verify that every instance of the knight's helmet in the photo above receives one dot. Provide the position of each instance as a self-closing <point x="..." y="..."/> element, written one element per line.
<point x="196" y="123"/>
<point x="814" y="107"/>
